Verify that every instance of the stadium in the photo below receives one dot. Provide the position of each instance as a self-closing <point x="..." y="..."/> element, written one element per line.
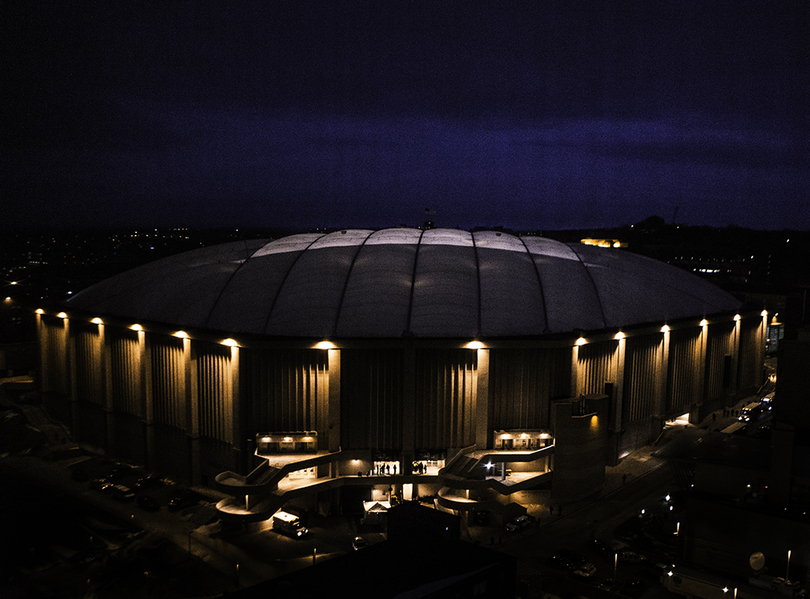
<point x="357" y="368"/>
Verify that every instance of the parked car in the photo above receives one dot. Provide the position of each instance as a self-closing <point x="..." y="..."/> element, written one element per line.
<point x="147" y="481"/>
<point x="577" y="559"/>
<point x="558" y="562"/>
<point x="120" y="492"/>
<point x="100" y="484"/>
<point x="359" y="543"/>
<point x="120" y="471"/>
<point x="481" y="517"/>
<point x="586" y="570"/>
<point x="148" y="503"/>
<point x="631" y="557"/>
<point x="520" y="523"/>
<point x="182" y="501"/>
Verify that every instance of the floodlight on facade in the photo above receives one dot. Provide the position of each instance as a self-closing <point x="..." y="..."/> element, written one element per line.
<point x="181" y="335"/>
<point x="61" y="315"/>
<point x="97" y="321"/>
<point x="229" y="342"/>
<point x="325" y="345"/>
<point x="136" y="327"/>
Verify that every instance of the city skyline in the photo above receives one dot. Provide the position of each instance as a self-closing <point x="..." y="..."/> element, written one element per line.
<point x="320" y="115"/>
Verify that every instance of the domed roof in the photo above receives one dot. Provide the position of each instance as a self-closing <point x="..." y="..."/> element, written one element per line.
<point x="386" y="283"/>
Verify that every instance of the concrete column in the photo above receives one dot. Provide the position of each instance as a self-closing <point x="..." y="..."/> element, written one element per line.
<point x="107" y="401"/>
<point x="618" y="391"/>
<point x="333" y="417"/>
<point x="735" y="353"/>
<point x="69" y="374"/>
<point x="482" y="423"/>
<point x="237" y="425"/>
<point x="574" y="391"/>
<point x="189" y="375"/>
<point x="703" y="343"/>
<point x="662" y="376"/>
<point x="408" y="406"/>
<point x="148" y="407"/>
<point x="42" y="341"/>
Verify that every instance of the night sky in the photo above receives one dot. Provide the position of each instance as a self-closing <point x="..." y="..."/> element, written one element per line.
<point x="529" y="115"/>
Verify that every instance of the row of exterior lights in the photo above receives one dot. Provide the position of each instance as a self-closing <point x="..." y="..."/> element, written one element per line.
<point x="664" y="329"/>
<point x="137" y="327"/>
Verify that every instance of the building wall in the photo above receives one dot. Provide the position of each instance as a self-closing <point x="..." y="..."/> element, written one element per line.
<point x="685" y="365"/>
<point x="581" y="435"/>
<point x="445" y="398"/>
<point x="280" y="388"/>
<point x="718" y="371"/>
<point x="522" y="384"/>
<point x="188" y="405"/>
<point x="371" y="399"/>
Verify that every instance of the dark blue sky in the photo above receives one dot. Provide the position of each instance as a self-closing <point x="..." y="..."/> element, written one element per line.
<point x="535" y="115"/>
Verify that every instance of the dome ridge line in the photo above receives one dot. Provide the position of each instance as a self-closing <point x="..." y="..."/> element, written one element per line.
<point x="413" y="280"/>
<point x="215" y="303"/>
<point x="346" y="283"/>
<point x="593" y="283"/>
<point x="284" y="280"/>
<point x="539" y="282"/>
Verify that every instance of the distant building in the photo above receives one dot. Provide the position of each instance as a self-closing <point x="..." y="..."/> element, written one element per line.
<point x="333" y="369"/>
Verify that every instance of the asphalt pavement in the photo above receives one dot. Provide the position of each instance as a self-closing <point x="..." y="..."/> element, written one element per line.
<point x="242" y="557"/>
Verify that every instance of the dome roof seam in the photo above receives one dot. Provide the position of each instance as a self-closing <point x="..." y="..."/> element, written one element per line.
<point x="284" y="279"/>
<point x="593" y="283"/>
<point x="413" y="282"/>
<point x="346" y="283"/>
<point x="224" y="287"/>
<point x="539" y="283"/>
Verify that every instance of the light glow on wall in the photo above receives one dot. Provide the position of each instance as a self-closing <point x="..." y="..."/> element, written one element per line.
<point x="704" y="323"/>
<point x="619" y="335"/>
<point x="665" y="329"/>
<point x="737" y="318"/>
<point x="474" y="345"/>
<point x="325" y="345"/>
<point x="581" y="341"/>
<point x="229" y="342"/>
<point x="181" y="335"/>
<point x="39" y="311"/>
<point x="136" y="327"/>
<point x="61" y="315"/>
<point x="97" y="321"/>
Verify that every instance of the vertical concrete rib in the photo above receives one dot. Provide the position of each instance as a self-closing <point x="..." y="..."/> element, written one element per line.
<point x="346" y="283"/>
<point x="539" y="284"/>
<point x="413" y="280"/>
